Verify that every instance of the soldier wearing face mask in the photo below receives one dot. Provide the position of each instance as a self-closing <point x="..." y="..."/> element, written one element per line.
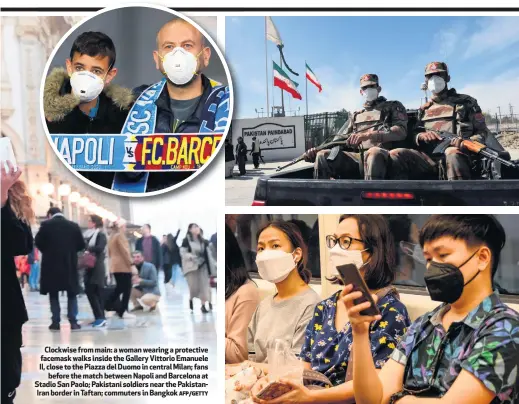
<point x="365" y="130"/>
<point x="446" y="111"/>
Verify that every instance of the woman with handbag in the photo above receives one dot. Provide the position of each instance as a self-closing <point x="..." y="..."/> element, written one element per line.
<point x="17" y="216"/>
<point x="121" y="267"/>
<point x="197" y="266"/>
<point x="95" y="240"/>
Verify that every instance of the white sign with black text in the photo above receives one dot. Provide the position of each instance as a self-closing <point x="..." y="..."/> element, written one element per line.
<point x="279" y="139"/>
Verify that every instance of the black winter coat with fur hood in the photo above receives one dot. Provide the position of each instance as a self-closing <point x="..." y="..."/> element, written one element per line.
<point x="62" y="111"/>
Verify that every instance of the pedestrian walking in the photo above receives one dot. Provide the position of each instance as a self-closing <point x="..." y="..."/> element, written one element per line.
<point x="121" y="267"/>
<point x="17" y="215"/>
<point x="197" y="266"/>
<point x="95" y="240"/>
<point x="59" y="240"/>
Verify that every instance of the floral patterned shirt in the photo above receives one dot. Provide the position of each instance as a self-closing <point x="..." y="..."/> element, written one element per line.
<point x="485" y="343"/>
<point x="328" y="350"/>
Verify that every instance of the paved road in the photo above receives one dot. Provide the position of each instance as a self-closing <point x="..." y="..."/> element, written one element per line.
<point x="239" y="191"/>
<point x="171" y="325"/>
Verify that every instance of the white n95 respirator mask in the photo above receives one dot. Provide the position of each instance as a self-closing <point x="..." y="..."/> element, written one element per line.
<point x="339" y="257"/>
<point x="274" y="265"/>
<point x="180" y="66"/>
<point x="436" y="84"/>
<point x="85" y="85"/>
<point x="370" y="94"/>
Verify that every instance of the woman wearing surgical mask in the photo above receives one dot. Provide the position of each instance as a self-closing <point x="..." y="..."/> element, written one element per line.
<point x="366" y="242"/>
<point x="281" y="260"/>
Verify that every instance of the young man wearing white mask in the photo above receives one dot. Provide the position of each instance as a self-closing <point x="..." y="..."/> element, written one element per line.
<point x="184" y="101"/>
<point x="447" y="111"/>
<point x="378" y="127"/>
<point x="81" y="98"/>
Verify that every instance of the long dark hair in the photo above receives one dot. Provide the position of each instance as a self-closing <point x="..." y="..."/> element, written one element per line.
<point x="189" y="235"/>
<point x="236" y="274"/>
<point x="170" y="242"/>
<point x="376" y="236"/>
<point x="294" y="235"/>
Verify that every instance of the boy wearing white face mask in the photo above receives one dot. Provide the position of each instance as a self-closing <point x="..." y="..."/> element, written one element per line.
<point x="281" y="260"/>
<point x="447" y="111"/>
<point x="365" y="130"/>
<point x="81" y="98"/>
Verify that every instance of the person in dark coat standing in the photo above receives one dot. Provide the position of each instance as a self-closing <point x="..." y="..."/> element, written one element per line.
<point x="149" y="246"/>
<point x="96" y="241"/>
<point x="255" y="152"/>
<point x="17" y="214"/>
<point x="59" y="241"/>
<point x="229" y="158"/>
<point x="241" y="155"/>
<point x="176" y="261"/>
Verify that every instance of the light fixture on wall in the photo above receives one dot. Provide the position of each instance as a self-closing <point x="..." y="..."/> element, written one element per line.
<point x="47" y="188"/>
<point x="83" y="202"/>
<point x="91" y="207"/>
<point x="64" y="190"/>
<point x="74" y="197"/>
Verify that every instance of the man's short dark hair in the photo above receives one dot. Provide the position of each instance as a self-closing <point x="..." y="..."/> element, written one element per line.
<point x="474" y="230"/>
<point x="138" y="252"/>
<point x="53" y="211"/>
<point x="94" y="44"/>
<point x="147" y="225"/>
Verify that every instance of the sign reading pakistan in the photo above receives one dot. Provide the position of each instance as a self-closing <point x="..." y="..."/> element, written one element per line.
<point x="271" y="136"/>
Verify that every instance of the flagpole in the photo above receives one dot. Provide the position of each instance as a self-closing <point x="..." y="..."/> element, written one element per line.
<point x="267" y="69"/>
<point x="306" y="87"/>
<point x="282" y="98"/>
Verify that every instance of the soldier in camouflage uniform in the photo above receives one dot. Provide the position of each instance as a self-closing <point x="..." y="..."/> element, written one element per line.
<point x="447" y="111"/>
<point x="336" y="163"/>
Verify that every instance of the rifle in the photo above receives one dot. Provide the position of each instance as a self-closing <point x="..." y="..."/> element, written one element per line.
<point x="472" y="146"/>
<point x="329" y="145"/>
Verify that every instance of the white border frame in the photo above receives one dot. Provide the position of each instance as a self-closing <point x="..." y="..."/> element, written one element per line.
<point x="231" y="100"/>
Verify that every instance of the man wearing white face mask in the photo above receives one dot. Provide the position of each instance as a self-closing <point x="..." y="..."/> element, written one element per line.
<point x="81" y="98"/>
<point x="185" y="101"/>
<point x="447" y="111"/>
<point x="188" y="101"/>
<point x="365" y="130"/>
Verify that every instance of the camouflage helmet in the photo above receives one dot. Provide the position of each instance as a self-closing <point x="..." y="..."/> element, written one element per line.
<point x="436" y="67"/>
<point x="368" y="79"/>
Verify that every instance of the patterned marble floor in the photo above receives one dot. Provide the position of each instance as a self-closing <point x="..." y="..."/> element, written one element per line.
<point x="172" y="324"/>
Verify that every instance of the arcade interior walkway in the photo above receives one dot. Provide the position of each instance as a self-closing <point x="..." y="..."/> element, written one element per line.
<point x="172" y="324"/>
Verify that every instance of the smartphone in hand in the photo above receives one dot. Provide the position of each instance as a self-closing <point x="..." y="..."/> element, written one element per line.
<point x="351" y="275"/>
<point x="273" y="390"/>
<point x="7" y="153"/>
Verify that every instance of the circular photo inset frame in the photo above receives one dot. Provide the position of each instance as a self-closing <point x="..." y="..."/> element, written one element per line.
<point x="197" y="171"/>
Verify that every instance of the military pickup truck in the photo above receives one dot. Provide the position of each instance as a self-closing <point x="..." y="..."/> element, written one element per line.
<point x="296" y="187"/>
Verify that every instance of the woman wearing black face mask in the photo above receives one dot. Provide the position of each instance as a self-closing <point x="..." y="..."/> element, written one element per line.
<point x="466" y="349"/>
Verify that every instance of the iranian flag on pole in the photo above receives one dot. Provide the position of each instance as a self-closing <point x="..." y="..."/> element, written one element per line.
<point x="282" y="81"/>
<point x="313" y="78"/>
